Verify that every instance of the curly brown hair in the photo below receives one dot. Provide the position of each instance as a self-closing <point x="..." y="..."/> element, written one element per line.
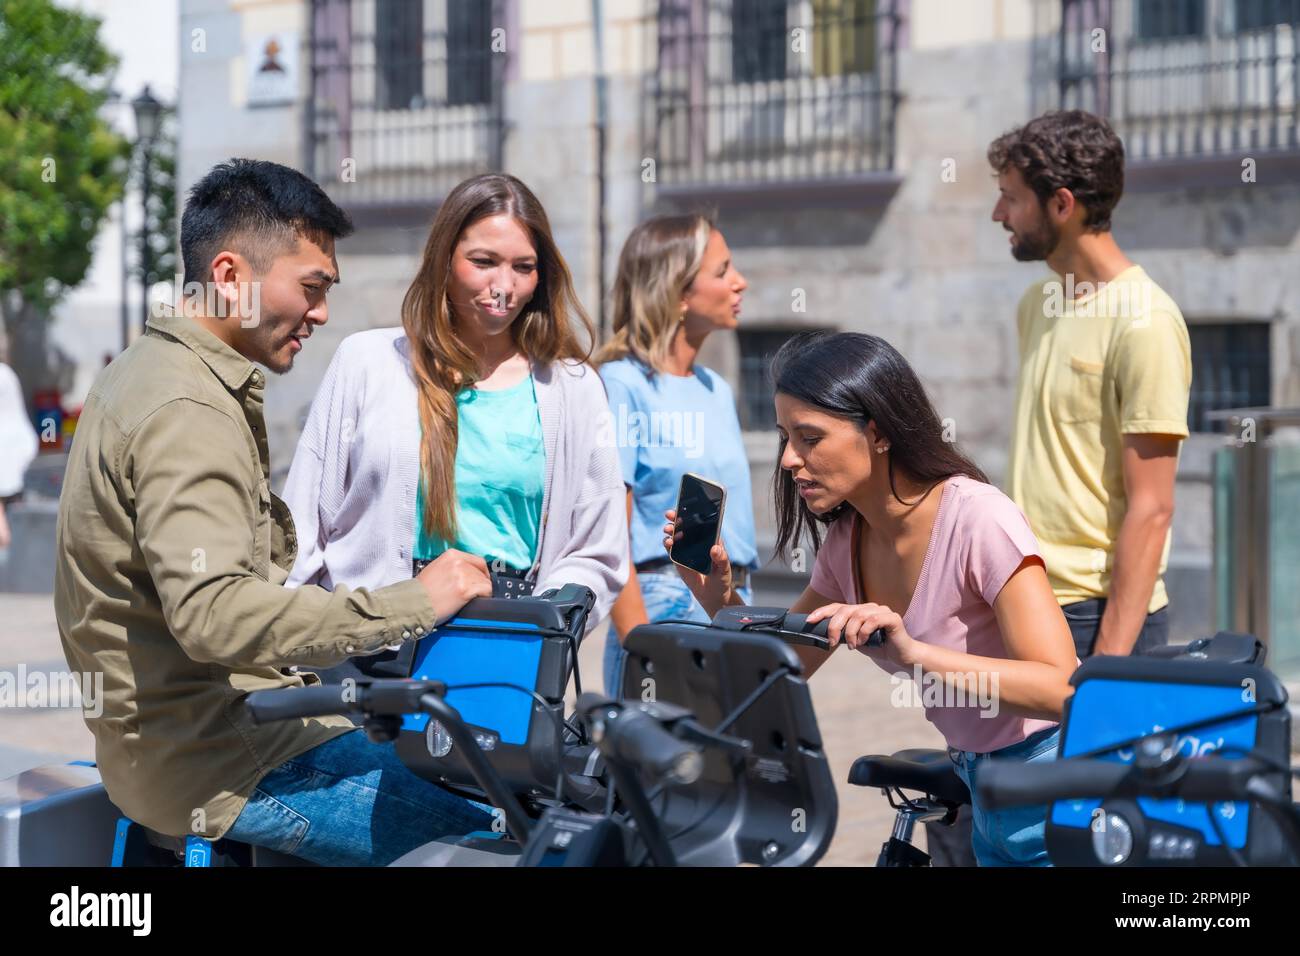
<point x="1067" y="149"/>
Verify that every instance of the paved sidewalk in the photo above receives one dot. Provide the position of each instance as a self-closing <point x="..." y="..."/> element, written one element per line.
<point x="29" y="737"/>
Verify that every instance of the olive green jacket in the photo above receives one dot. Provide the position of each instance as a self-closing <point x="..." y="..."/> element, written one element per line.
<point x="170" y="561"/>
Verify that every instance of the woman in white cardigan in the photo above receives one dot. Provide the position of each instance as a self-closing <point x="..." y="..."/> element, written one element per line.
<point x="515" y="464"/>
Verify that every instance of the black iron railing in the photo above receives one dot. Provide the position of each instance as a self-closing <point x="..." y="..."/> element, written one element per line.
<point x="405" y="97"/>
<point x="773" y="91"/>
<point x="1177" y="78"/>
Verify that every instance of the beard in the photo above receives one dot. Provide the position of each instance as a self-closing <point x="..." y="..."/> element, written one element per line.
<point x="268" y="346"/>
<point x="1036" y="245"/>
<point x="281" y="360"/>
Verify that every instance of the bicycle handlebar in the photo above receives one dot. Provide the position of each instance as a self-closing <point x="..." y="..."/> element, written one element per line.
<point x="1007" y="783"/>
<point x="380" y="697"/>
<point x="631" y="735"/>
<point x="642" y="741"/>
<point x="797" y="624"/>
<point x="393" y="698"/>
<point x="266" y="706"/>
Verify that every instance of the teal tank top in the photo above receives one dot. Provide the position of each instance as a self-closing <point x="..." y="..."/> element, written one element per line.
<point x="500" y="477"/>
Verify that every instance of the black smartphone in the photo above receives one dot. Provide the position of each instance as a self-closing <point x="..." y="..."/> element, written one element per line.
<point x="700" y="503"/>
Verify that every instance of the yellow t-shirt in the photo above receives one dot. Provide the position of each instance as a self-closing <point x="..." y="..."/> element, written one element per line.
<point x="1111" y="363"/>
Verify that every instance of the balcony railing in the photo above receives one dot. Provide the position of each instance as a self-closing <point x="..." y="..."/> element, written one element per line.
<point x="1178" y="79"/>
<point x="751" y="92"/>
<point x="405" y="97"/>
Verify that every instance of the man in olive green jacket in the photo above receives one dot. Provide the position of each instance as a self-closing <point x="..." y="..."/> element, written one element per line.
<point x="172" y="553"/>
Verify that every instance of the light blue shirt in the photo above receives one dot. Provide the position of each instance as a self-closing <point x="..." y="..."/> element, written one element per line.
<point x="667" y="425"/>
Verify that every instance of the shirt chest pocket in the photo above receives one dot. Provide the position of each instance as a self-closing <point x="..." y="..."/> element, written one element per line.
<point x="262" y="536"/>
<point x="1076" y="392"/>
<point x="526" y="443"/>
<point x="284" y="538"/>
<point x="521" y="472"/>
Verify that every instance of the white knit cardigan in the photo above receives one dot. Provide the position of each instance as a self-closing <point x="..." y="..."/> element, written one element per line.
<point x="352" y="485"/>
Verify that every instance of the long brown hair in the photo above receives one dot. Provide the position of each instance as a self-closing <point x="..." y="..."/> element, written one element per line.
<point x="659" y="261"/>
<point x="442" y="361"/>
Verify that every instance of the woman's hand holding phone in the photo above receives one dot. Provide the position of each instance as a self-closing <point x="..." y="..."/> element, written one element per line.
<point x="713" y="590"/>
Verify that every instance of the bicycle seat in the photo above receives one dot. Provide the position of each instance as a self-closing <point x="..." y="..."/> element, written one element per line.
<point x="929" y="771"/>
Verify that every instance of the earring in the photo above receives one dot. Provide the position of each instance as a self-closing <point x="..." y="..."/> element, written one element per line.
<point x="881" y="449"/>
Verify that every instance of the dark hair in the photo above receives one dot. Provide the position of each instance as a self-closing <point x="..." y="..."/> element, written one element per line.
<point x="256" y="208"/>
<point x="1067" y="149"/>
<point x="864" y="379"/>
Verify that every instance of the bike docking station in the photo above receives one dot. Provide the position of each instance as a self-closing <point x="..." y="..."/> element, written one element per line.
<point x="1176" y="759"/>
<point x="713" y="757"/>
<point x="771" y="801"/>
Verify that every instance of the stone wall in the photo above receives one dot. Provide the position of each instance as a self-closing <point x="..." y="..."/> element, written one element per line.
<point x="928" y="270"/>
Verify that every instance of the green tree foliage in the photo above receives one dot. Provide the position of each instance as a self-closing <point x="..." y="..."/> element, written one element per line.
<point x="63" y="165"/>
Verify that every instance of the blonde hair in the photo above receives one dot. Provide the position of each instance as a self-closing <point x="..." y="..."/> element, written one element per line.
<point x="658" y="263"/>
<point x="441" y="360"/>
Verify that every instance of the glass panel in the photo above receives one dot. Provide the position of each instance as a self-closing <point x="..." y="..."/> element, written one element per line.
<point x="1258" y="14"/>
<point x="1225" y="493"/>
<point x="844" y="36"/>
<point x="1167" y="19"/>
<point x="1284" y="559"/>
<point x="469" y="52"/>
<point x="1230" y="368"/>
<point x="759" y="40"/>
<point x="399" y="55"/>
<point x="757" y="346"/>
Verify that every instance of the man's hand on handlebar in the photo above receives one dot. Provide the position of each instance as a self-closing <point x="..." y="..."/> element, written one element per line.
<point x="854" y="623"/>
<point x="452" y="580"/>
<point x="713" y="590"/>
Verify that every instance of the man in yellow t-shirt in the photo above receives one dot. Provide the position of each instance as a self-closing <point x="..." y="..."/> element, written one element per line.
<point x="1105" y="372"/>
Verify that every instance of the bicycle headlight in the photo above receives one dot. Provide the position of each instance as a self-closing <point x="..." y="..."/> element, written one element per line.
<point x="1112" y="841"/>
<point x="437" y="739"/>
<point x="687" y="768"/>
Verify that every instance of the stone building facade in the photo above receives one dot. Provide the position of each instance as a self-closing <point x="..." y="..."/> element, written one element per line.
<point x="842" y="144"/>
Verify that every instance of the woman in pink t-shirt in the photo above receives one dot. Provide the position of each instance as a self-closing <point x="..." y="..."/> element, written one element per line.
<point x="910" y="537"/>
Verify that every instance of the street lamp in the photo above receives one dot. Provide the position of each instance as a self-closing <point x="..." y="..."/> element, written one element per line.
<point x="148" y="122"/>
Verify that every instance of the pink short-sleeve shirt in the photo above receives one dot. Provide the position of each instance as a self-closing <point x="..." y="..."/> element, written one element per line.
<point x="979" y="540"/>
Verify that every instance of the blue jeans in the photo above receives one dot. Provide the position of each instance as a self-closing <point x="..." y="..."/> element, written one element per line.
<point x="1014" y="836"/>
<point x="667" y="598"/>
<point x="350" y="802"/>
